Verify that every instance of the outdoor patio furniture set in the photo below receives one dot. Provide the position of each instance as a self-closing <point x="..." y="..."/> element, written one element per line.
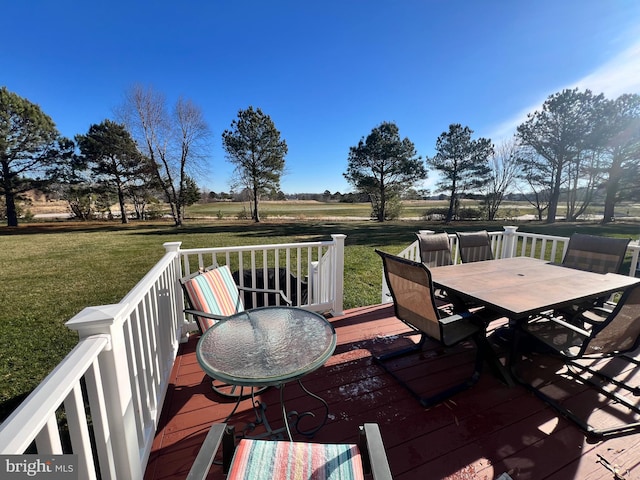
<point x="563" y="307"/>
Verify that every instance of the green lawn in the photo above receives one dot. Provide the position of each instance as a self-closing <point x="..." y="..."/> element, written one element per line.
<point x="51" y="271"/>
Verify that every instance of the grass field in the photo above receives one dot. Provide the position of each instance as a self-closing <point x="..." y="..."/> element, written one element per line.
<point x="51" y="271"/>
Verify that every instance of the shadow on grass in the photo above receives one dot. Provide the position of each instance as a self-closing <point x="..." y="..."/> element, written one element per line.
<point x="364" y="233"/>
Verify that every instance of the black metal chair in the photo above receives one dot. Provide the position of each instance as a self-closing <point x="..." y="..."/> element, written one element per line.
<point x="615" y="336"/>
<point x="414" y="302"/>
<point x="269" y="459"/>
<point x="435" y="250"/>
<point x="474" y="246"/>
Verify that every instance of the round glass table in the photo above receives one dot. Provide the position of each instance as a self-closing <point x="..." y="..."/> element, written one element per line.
<point x="268" y="346"/>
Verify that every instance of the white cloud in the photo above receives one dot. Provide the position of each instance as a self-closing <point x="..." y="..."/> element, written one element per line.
<point x="619" y="75"/>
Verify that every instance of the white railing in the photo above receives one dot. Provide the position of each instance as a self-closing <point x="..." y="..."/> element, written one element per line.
<point x="312" y="267"/>
<point x="511" y="243"/>
<point x="114" y="381"/>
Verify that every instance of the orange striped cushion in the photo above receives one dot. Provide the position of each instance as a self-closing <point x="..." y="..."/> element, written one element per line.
<point x="213" y="291"/>
<point x="264" y="459"/>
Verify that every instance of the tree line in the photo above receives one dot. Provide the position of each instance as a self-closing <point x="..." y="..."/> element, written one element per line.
<point x="576" y="146"/>
<point x="152" y="152"/>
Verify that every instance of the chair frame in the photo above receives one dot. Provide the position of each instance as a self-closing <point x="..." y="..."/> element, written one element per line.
<point x="577" y="370"/>
<point x="474" y="246"/>
<point x="372" y="451"/>
<point x="478" y="336"/>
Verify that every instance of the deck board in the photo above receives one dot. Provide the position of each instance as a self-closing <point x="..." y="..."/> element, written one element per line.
<point x="478" y="434"/>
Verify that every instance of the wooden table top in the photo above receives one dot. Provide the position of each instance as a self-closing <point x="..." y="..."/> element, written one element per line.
<point x="521" y="286"/>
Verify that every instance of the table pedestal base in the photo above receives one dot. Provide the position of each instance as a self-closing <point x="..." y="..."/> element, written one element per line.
<point x="282" y="433"/>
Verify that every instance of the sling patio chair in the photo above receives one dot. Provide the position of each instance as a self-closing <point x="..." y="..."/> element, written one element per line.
<point x="435" y="250"/>
<point x="212" y="296"/>
<point x="474" y="246"/>
<point x="598" y="356"/>
<point x="270" y="459"/>
<point x="594" y="254"/>
<point x="414" y="303"/>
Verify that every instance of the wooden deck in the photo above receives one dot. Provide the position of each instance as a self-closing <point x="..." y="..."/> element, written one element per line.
<point x="478" y="434"/>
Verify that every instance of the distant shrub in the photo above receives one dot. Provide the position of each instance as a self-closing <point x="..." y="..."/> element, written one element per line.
<point x="243" y="214"/>
<point x="469" y="213"/>
<point x="435" y="213"/>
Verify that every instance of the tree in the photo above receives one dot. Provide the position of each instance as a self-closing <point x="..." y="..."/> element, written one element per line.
<point x="254" y="146"/>
<point x="30" y="148"/>
<point x="561" y="133"/>
<point x="462" y="163"/>
<point x="503" y="164"/>
<point x="383" y="166"/>
<point x="622" y="153"/>
<point x="113" y="156"/>
<point x="535" y="174"/>
<point x="174" y="143"/>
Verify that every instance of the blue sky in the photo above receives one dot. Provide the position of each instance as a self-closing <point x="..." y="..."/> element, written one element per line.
<point x="326" y="72"/>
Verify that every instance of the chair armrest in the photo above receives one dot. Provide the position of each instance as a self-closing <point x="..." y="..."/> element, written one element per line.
<point x="267" y="290"/>
<point x="218" y="433"/>
<point x="374" y="456"/>
<point x="200" y="313"/>
<point x="456" y="317"/>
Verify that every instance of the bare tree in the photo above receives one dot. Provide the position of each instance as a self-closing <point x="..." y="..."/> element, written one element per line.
<point x="537" y="176"/>
<point x="504" y="166"/>
<point x="173" y="142"/>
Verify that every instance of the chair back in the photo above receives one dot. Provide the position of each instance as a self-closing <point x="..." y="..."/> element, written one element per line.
<point x="412" y="291"/>
<point x="474" y="246"/>
<point x="212" y="291"/>
<point x="434" y="249"/>
<point x="620" y="332"/>
<point x="594" y="253"/>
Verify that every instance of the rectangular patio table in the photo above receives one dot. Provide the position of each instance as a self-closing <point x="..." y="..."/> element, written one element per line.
<point x="519" y="287"/>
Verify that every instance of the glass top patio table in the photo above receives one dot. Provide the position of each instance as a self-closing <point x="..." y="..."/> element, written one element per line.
<point x="266" y="346"/>
<point x="519" y="287"/>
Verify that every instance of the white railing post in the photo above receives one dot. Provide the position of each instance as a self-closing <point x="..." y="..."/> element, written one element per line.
<point x="174" y="247"/>
<point x="338" y="274"/>
<point x="117" y="388"/>
<point x="509" y="241"/>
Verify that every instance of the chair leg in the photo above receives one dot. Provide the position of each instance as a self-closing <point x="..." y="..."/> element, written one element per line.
<point x="429" y="401"/>
<point x="592" y="434"/>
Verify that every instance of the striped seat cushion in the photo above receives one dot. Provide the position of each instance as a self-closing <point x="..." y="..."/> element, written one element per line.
<point x="264" y="459"/>
<point x="213" y="291"/>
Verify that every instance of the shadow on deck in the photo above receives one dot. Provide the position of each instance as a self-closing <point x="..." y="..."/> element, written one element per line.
<point x="478" y="434"/>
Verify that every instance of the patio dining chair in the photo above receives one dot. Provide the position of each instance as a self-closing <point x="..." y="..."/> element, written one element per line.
<point x="615" y="336"/>
<point x="414" y="302"/>
<point x="212" y="296"/>
<point x="474" y="246"/>
<point x="595" y="253"/>
<point x="269" y="459"/>
<point x="434" y="249"/>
